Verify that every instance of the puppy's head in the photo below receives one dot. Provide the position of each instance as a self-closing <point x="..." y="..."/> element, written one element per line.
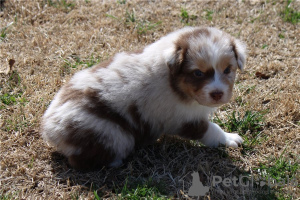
<point x="203" y="65"/>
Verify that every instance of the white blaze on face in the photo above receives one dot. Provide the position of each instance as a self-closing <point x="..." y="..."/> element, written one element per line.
<point x="217" y="85"/>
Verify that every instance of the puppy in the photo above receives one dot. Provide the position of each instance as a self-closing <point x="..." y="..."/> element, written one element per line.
<point x="171" y="87"/>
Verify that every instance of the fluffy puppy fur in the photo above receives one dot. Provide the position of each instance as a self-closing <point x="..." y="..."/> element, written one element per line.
<point x="170" y="87"/>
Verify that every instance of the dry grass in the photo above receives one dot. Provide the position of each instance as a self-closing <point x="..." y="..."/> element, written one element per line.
<point x="51" y="40"/>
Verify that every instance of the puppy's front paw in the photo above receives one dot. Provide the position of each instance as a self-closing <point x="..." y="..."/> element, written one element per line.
<point x="233" y="139"/>
<point x="215" y="136"/>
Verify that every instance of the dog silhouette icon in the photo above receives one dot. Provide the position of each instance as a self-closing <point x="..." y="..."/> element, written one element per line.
<point x="197" y="188"/>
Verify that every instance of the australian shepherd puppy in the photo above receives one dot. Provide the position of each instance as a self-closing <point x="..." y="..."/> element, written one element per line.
<point x="171" y="87"/>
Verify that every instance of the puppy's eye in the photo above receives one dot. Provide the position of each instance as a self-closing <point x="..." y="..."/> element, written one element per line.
<point x="198" y="73"/>
<point x="227" y="70"/>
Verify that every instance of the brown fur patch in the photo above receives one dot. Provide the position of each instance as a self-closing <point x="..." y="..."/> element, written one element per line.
<point x="227" y="79"/>
<point x="202" y="65"/>
<point x="198" y="83"/>
<point x="141" y="129"/>
<point x="182" y="46"/>
<point x="68" y="93"/>
<point x="103" y="64"/>
<point x="195" y="33"/>
<point x="186" y="84"/>
<point x="234" y="49"/>
<point x="143" y="132"/>
<point x="138" y="51"/>
<point x="193" y="130"/>
<point x="174" y="83"/>
<point x="103" y="110"/>
<point x="176" y="67"/>
<point x="179" y="58"/>
<point x="93" y="154"/>
<point x="225" y="62"/>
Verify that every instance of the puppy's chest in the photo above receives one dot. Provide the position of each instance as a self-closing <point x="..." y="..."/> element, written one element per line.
<point x="166" y="120"/>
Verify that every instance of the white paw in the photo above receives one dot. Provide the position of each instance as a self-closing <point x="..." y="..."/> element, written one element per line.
<point x="215" y="136"/>
<point x="232" y="139"/>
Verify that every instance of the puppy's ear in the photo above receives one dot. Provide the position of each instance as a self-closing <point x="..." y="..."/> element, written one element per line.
<point x="176" y="59"/>
<point x="239" y="49"/>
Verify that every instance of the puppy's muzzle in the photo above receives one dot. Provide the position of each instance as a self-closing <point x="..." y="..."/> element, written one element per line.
<point x="216" y="95"/>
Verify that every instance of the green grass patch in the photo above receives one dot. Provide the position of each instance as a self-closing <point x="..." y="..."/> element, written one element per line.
<point x="131" y="20"/>
<point x="65" y="5"/>
<point x="141" y="26"/>
<point x="289" y="14"/>
<point x="74" y="61"/>
<point x="11" y="93"/>
<point x="145" y="26"/>
<point x="280" y="168"/>
<point x="209" y="14"/>
<point x="186" y="17"/>
<point x="245" y="89"/>
<point x="8" y="196"/>
<point x="147" y="190"/>
<point x="250" y="121"/>
<point x="239" y="100"/>
<point x="96" y="195"/>
<point x="8" y="99"/>
<point x="270" y="196"/>
<point x="3" y="34"/>
<point x="19" y="123"/>
<point x="281" y="36"/>
<point x="253" y="19"/>
<point x="250" y="89"/>
<point x="74" y="196"/>
<point x="111" y="16"/>
<point x="264" y="46"/>
<point x="14" y="79"/>
<point x="248" y="125"/>
<point x="31" y="163"/>
<point x="261" y="189"/>
<point x="121" y="1"/>
<point x="130" y="17"/>
<point x="279" y="173"/>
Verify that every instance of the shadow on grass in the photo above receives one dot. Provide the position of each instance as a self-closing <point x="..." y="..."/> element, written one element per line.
<point x="163" y="170"/>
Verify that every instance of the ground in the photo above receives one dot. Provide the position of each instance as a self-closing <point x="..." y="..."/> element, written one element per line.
<point x="43" y="43"/>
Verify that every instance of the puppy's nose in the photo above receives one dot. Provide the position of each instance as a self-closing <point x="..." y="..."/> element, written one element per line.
<point x="216" y="95"/>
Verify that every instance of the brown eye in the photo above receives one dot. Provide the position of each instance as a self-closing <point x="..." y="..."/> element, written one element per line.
<point x="227" y="70"/>
<point x="198" y="73"/>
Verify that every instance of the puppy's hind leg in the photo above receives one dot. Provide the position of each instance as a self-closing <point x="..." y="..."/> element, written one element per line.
<point x="105" y="146"/>
<point x="91" y="156"/>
